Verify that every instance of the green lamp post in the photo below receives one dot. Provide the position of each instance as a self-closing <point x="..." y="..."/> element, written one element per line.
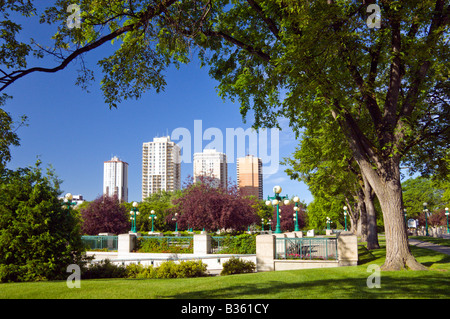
<point x="296" y="209"/>
<point x="276" y="201"/>
<point x="328" y="223"/>
<point x="68" y="201"/>
<point x="345" y="217"/>
<point x="175" y="219"/>
<point x="425" y="210"/>
<point x="262" y="224"/>
<point x="152" y="217"/>
<point x="446" y="214"/>
<point x="406" y="221"/>
<point x="134" y="212"/>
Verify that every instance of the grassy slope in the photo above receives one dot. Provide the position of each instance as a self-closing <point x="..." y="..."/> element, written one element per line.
<point x="343" y="282"/>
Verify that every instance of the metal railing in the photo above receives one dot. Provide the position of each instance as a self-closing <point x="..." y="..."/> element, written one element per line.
<point x="306" y="248"/>
<point x="100" y="242"/>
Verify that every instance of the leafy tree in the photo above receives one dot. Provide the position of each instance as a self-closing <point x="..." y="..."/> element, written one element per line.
<point x="419" y="190"/>
<point x="105" y="215"/>
<point x="161" y="203"/>
<point x="385" y="87"/>
<point x="39" y="238"/>
<point x="325" y="163"/>
<point x="8" y="136"/>
<point x="261" y="209"/>
<point x="287" y="222"/>
<point x="202" y="205"/>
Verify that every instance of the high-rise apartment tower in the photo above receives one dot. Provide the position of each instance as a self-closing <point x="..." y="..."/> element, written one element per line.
<point x="212" y="164"/>
<point x="249" y="176"/>
<point x="115" y="179"/>
<point x="160" y="166"/>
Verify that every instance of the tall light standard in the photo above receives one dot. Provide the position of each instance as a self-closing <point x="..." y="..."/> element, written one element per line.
<point x="345" y="217"/>
<point x="276" y="201"/>
<point x="134" y="212"/>
<point x="296" y="209"/>
<point x="262" y="224"/>
<point x="176" y="222"/>
<point x="425" y="210"/>
<point x="446" y="214"/>
<point x="68" y="201"/>
<point x="328" y="223"/>
<point x="152" y="217"/>
<point x="406" y="222"/>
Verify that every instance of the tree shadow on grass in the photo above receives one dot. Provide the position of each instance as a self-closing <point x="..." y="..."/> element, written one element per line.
<point x="430" y="257"/>
<point x="393" y="285"/>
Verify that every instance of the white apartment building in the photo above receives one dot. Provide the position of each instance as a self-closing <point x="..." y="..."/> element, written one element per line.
<point x="115" y="179"/>
<point x="213" y="164"/>
<point x="160" y="166"/>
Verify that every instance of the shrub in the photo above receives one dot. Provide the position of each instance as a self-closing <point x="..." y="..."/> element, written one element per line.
<point x="161" y="245"/>
<point x="39" y="236"/>
<point x="241" y="244"/>
<point x="190" y="269"/>
<point x="104" y="269"/>
<point x="237" y="266"/>
<point x="168" y="269"/>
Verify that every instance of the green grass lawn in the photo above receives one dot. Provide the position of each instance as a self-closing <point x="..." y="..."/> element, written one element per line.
<point x="343" y="282"/>
<point x="434" y="240"/>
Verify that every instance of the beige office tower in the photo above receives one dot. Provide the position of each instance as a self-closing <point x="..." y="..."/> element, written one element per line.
<point x="160" y="166"/>
<point x="212" y="164"/>
<point x="249" y="176"/>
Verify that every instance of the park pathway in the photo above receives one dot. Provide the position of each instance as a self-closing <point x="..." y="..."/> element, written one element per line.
<point x="424" y="244"/>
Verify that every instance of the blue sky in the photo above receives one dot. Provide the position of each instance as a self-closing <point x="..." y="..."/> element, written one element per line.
<point x="75" y="131"/>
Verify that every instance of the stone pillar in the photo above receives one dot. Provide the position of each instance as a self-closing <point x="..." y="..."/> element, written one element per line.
<point x="347" y="244"/>
<point x="202" y="244"/>
<point x="265" y="252"/>
<point x="126" y="243"/>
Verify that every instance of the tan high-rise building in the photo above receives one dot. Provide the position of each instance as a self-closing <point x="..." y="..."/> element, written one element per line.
<point x="212" y="164"/>
<point x="249" y="176"/>
<point x="161" y="169"/>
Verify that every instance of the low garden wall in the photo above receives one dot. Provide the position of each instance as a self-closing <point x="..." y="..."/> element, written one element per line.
<point x="286" y="251"/>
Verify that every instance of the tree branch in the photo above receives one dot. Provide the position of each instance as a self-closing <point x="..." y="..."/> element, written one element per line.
<point x="151" y="12"/>
<point x="270" y="23"/>
<point x="440" y="19"/>
<point x="239" y="43"/>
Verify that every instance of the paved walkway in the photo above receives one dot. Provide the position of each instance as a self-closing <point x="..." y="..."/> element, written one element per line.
<point x="424" y="244"/>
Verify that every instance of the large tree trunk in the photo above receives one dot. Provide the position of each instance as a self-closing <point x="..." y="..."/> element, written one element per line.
<point x="362" y="222"/>
<point x="386" y="183"/>
<point x="371" y="226"/>
<point x="353" y="216"/>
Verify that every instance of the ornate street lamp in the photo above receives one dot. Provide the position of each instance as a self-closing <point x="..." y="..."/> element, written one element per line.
<point x="406" y="222"/>
<point x="176" y="222"/>
<point x="345" y="217"/>
<point x="425" y="210"/>
<point x="276" y="201"/>
<point x="296" y="209"/>
<point x="152" y="217"/>
<point x="134" y="212"/>
<point x="262" y="224"/>
<point x="68" y="201"/>
<point x="446" y="214"/>
<point x="328" y="223"/>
